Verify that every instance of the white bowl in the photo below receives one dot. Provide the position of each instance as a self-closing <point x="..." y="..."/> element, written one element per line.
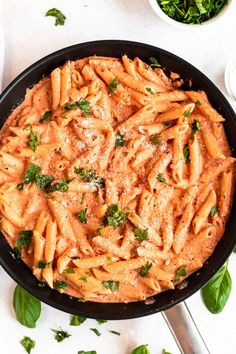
<point x="157" y="9"/>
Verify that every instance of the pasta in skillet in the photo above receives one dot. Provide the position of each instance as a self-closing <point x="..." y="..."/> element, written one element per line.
<point x="115" y="184"/>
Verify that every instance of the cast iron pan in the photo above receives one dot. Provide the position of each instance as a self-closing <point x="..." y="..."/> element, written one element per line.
<point x="14" y="95"/>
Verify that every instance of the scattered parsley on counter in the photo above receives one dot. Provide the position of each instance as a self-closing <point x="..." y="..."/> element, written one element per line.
<point x="60" y="17"/>
<point x="28" y="344"/>
<point x="113" y="85"/>
<point x="181" y="272"/>
<point x="60" y="335"/>
<point x="110" y="284"/>
<point x="96" y="331"/>
<point x="141" y="234"/>
<point x="114" y="332"/>
<point x="145" y="269"/>
<point x="77" y="320"/>
<point x="142" y="349"/>
<point x="115" y="216"/>
<point x="101" y="321"/>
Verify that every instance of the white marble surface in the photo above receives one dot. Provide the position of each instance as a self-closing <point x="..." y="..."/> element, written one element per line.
<point x="30" y="36"/>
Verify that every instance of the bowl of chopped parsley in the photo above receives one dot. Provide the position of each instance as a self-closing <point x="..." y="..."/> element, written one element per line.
<point x="185" y="13"/>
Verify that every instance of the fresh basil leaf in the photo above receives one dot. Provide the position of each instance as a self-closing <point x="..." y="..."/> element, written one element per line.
<point x="145" y="269"/>
<point x="96" y="331"/>
<point x="142" y="349"/>
<point x="181" y="272"/>
<point x="81" y="215"/>
<point x="60" y="17"/>
<point x="46" y="117"/>
<point x="28" y="344"/>
<point x="216" y="292"/>
<point x="113" y="85"/>
<point x="31" y="173"/>
<point x="115" y="216"/>
<point x="27" y="307"/>
<point x="77" y="320"/>
<point x="141" y="234"/>
<point x="60" y="335"/>
<point x="112" y="285"/>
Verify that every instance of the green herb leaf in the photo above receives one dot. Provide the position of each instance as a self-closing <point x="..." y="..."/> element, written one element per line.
<point x="141" y="234"/>
<point x="216" y="292"/>
<point x="42" y="264"/>
<point x="113" y="85"/>
<point x="84" y="106"/>
<point x="90" y="176"/>
<point x="181" y="272"/>
<point x="112" y="285"/>
<point x="187" y="113"/>
<point x="101" y="321"/>
<point x="115" y="216"/>
<point x="83" y="278"/>
<point x="100" y="230"/>
<point x="62" y="186"/>
<point x="69" y="271"/>
<point x="43" y="181"/>
<point x="20" y="186"/>
<point x="96" y="331"/>
<point x="46" y="117"/>
<point x="60" y="335"/>
<point x="165" y="352"/>
<point x="161" y="178"/>
<point x="198" y="103"/>
<point x="77" y="320"/>
<point x="89" y="352"/>
<point x="28" y="344"/>
<point x="81" y="215"/>
<point x="196" y="126"/>
<point x="70" y="106"/>
<point x="154" y="62"/>
<point x="41" y="284"/>
<point x="150" y="90"/>
<point x="31" y="173"/>
<point x="23" y="241"/>
<point x="60" y="285"/>
<point x="155" y="140"/>
<point x="27" y="307"/>
<point x="145" y="269"/>
<point x="114" y="332"/>
<point x="213" y="211"/>
<point x="186" y="153"/>
<point x="34" y="140"/>
<point x="142" y="349"/>
<point x="119" y="139"/>
<point x="60" y="17"/>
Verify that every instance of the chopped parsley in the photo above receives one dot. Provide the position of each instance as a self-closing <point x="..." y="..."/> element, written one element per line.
<point x="187" y="113"/>
<point x="60" y="335"/>
<point x="186" y="153"/>
<point x="34" y="140"/>
<point x="145" y="269"/>
<point x="81" y="215"/>
<point x="112" y="285"/>
<point x="114" y="332"/>
<point x="60" y="285"/>
<point x="31" y="173"/>
<point x="101" y="321"/>
<point x="150" y="90"/>
<point x="60" y="17"/>
<point x="89" y="352"/>
<point x="43" y="181"/>
<point x="165" y="352"/>
<point x="46" y="117"/>
<point x="181" y="272"/>
<point x="141" y="234"/>
<point x="84" y="106"/>
<point x="119" y="139"/>
<point x="23" y="241"/>
<point x="41" y="284"/>
<point x="213" y="211"/>
<point x="42" y="264"/>
<point x="154" y="62"/>
<point x="196" y="126"/>
<point x="100" y="230"/>
<point x="28" y="344"/>
<point x="96" y="331"/>
<point x="115" y="216"/>
<point x="77" y="320"/>
<point x="161" y="178"/>
<point x="155" y="140"/>
<point x="20" y="186"/>
<point x="198" y="103"/>
<point x="113" y="85"/>
<point x="62" y="186"/>
<point x="90" y="176"/>
<point x="70" y="106"/>
<point x="69" y="271"/>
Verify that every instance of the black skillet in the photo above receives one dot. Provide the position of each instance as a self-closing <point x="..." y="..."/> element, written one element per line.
<point x="14" y="94"/>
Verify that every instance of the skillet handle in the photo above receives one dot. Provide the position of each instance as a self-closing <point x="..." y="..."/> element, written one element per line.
<point x="184" y="330"/>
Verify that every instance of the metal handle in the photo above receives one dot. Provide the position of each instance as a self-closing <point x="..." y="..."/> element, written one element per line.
<point x="184" y="330"/>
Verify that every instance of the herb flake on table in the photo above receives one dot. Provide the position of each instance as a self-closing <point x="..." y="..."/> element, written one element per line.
<point x="28" y="344"/>
<point x="165" y="352"/>
<point x="96" y="331"/>
<point x="60" y="335"/>
<point x="89" y="352"/>
<point x="113" y="85"/>
<point x="77" y="320"/>
<point x="115" y="216"/>
<point x="114" y="332"/>
<point x="60" y="17"/>
<point x="111" y="284"/>
<point x="101" y="321"/>
<point x="142" y="349"/>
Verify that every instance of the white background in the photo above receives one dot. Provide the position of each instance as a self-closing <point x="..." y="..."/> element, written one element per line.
<point x="28" y="37"/>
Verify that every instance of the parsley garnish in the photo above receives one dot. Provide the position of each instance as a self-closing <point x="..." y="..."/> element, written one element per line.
<point x="46" y="117"/>
<point x="62" y="186"/>
<point x="60" y="284"/>
<point x="100" y="230"/>
<point x="96" y="331"/>
<point x="154" y="62"/>
<point x="154" y="140"/>
<point x="115" y="216"/>
<point x="34" y="140"/>
<point x="186" y="153"/>
<point x="60" y="335"/>
<point x="81" y="215"/>
<point x="42" y="264"/>
<point x="119" y="139"/>
<point x="145" y="269"/>
<point x="70" y="106"/>
<point x="84" y="105"/>
<point x="198" y="103"/>
<point x="23" y="241"/>
<point x="161" y="178"/>
<point x="43" y="181"/>
<point x="101" y="321"/>
<point x="181" y="272"/>
<point x="77" y="320"/>
<point x="69" y="271"/>
<point x="150" y="90"/>
<point x="20" y="186"/>
<point x="89" y="352"/>
<point x="187" y="113"/>
<point x="113" y="85"/>
<point x="31" y="173"/>
<point x="90" y="176"/>
<point x="114" y="332"/>
<point x="60" y="17"/>
<point x="110" y="284"/>
<point x="213" y="211"/>
<point x="28" y="344"/>
<point x="141" y="234"/>
<point x="196" y="126"/>
<point x="83" y="278"/>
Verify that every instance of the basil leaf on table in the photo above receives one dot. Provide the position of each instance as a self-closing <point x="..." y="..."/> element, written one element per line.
<point x="216" y="292"/>
<point x="27" y="307"/>
<point x="142" y="349"/>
